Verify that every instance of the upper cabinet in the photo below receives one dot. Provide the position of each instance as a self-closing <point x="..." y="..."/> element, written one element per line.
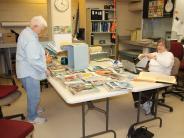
<point x="158" y="8"/>
<point x="135" y="5"/>
<point x="135" y="0"/>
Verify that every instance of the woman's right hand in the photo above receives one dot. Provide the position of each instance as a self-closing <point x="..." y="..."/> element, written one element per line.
<point x="141" y="56"/>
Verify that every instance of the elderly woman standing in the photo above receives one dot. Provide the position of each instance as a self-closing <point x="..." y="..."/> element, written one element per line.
<point x="31" y="65"/>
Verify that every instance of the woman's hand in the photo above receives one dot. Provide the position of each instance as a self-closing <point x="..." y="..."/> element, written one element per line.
<point x="141" y="56"/>
<point x="150" y="56"/>
<point x="48" y="57"/>
<point x="48" y="73"/>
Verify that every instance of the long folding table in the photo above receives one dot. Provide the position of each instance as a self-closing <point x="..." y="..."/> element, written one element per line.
<point x="103" y="93"/>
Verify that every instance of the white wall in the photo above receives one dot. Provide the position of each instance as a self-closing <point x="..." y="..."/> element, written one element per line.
<point x="59" y="19"/>
<point x="74" y="13"/>
<point x="21" y="10"/>
<point x="178" y="27"/>
<point x="127" y="20"/>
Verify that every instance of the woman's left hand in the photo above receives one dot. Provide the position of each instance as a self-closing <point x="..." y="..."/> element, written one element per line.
<point x="48" y="72"/>
<point x="151" y="56"/>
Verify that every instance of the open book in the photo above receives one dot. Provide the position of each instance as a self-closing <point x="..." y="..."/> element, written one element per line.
<point x="156" y="77"/>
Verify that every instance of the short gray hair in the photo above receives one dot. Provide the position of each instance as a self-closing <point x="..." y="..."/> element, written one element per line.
<point x="38" y="20"/>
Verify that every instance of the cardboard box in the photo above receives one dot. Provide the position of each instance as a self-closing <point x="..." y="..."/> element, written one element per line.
<point x="9" y="37"/>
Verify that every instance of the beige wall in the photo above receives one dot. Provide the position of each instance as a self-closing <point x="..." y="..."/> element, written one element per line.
<point x="82" y="13"/>
<point x="59" y="19"/>
<point x="127" y="20"/>
<point x="74" y="13"/>
<point x="21" y="10"/>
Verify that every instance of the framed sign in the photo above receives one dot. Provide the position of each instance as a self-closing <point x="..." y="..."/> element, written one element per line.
<point x="158" y="8"/>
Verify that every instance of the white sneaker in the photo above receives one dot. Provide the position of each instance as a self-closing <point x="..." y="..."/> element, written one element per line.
<point x="147" y="107"/>
<point x="38" y="120"/>
<point x="40" y="110"/>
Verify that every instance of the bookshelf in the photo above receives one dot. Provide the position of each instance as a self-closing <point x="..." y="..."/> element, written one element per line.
<point x="100" y="30"/>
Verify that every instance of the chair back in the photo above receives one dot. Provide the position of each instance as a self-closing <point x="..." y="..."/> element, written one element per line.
<point x="177" y="49"/>
<point x="176" y="66"/>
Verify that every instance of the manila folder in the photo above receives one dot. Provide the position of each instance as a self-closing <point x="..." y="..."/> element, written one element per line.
<point x="156" y="77"/>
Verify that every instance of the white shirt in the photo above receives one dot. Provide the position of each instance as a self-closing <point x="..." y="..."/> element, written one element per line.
<point x="163" y="63"/>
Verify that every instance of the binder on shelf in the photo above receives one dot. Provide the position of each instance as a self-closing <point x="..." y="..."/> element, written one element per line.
<point x="92" y="15"/>
<point x="96" y="15"/>
<point x="106" y="15"/>
<point x="103" y="15"/>
<point x="108" y="27"/>
<point x="100" y="15"/>
<point x="101" y="26"/>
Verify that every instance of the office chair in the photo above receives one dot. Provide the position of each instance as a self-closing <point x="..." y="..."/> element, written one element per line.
<point x="9" y="94"/>
<point x="177" y="49"/>
<point x="15" y="129"/>
<point x="174" y="72"/>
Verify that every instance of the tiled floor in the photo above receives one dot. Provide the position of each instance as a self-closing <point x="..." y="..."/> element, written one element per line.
<point x="64" y="121"/>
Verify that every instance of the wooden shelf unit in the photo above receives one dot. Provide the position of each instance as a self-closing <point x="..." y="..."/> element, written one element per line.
<point x="100" y="30"/>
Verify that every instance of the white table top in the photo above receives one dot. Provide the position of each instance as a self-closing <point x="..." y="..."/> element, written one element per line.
<point x="139" y="86"/>
<point x="102" y="92"/>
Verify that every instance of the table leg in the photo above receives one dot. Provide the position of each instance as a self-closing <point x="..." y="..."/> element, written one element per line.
<point x="9" y="62"/>
<point x="156" y="105"/>
<point x="139" y="107"/>
<point x="107" y="121"/>
<point x="83" y="120"/>
<point x="155" y="111"/>
<point x="107" y="114"/>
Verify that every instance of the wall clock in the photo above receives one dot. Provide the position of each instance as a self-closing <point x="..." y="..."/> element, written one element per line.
<point x="61" y="5"/>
